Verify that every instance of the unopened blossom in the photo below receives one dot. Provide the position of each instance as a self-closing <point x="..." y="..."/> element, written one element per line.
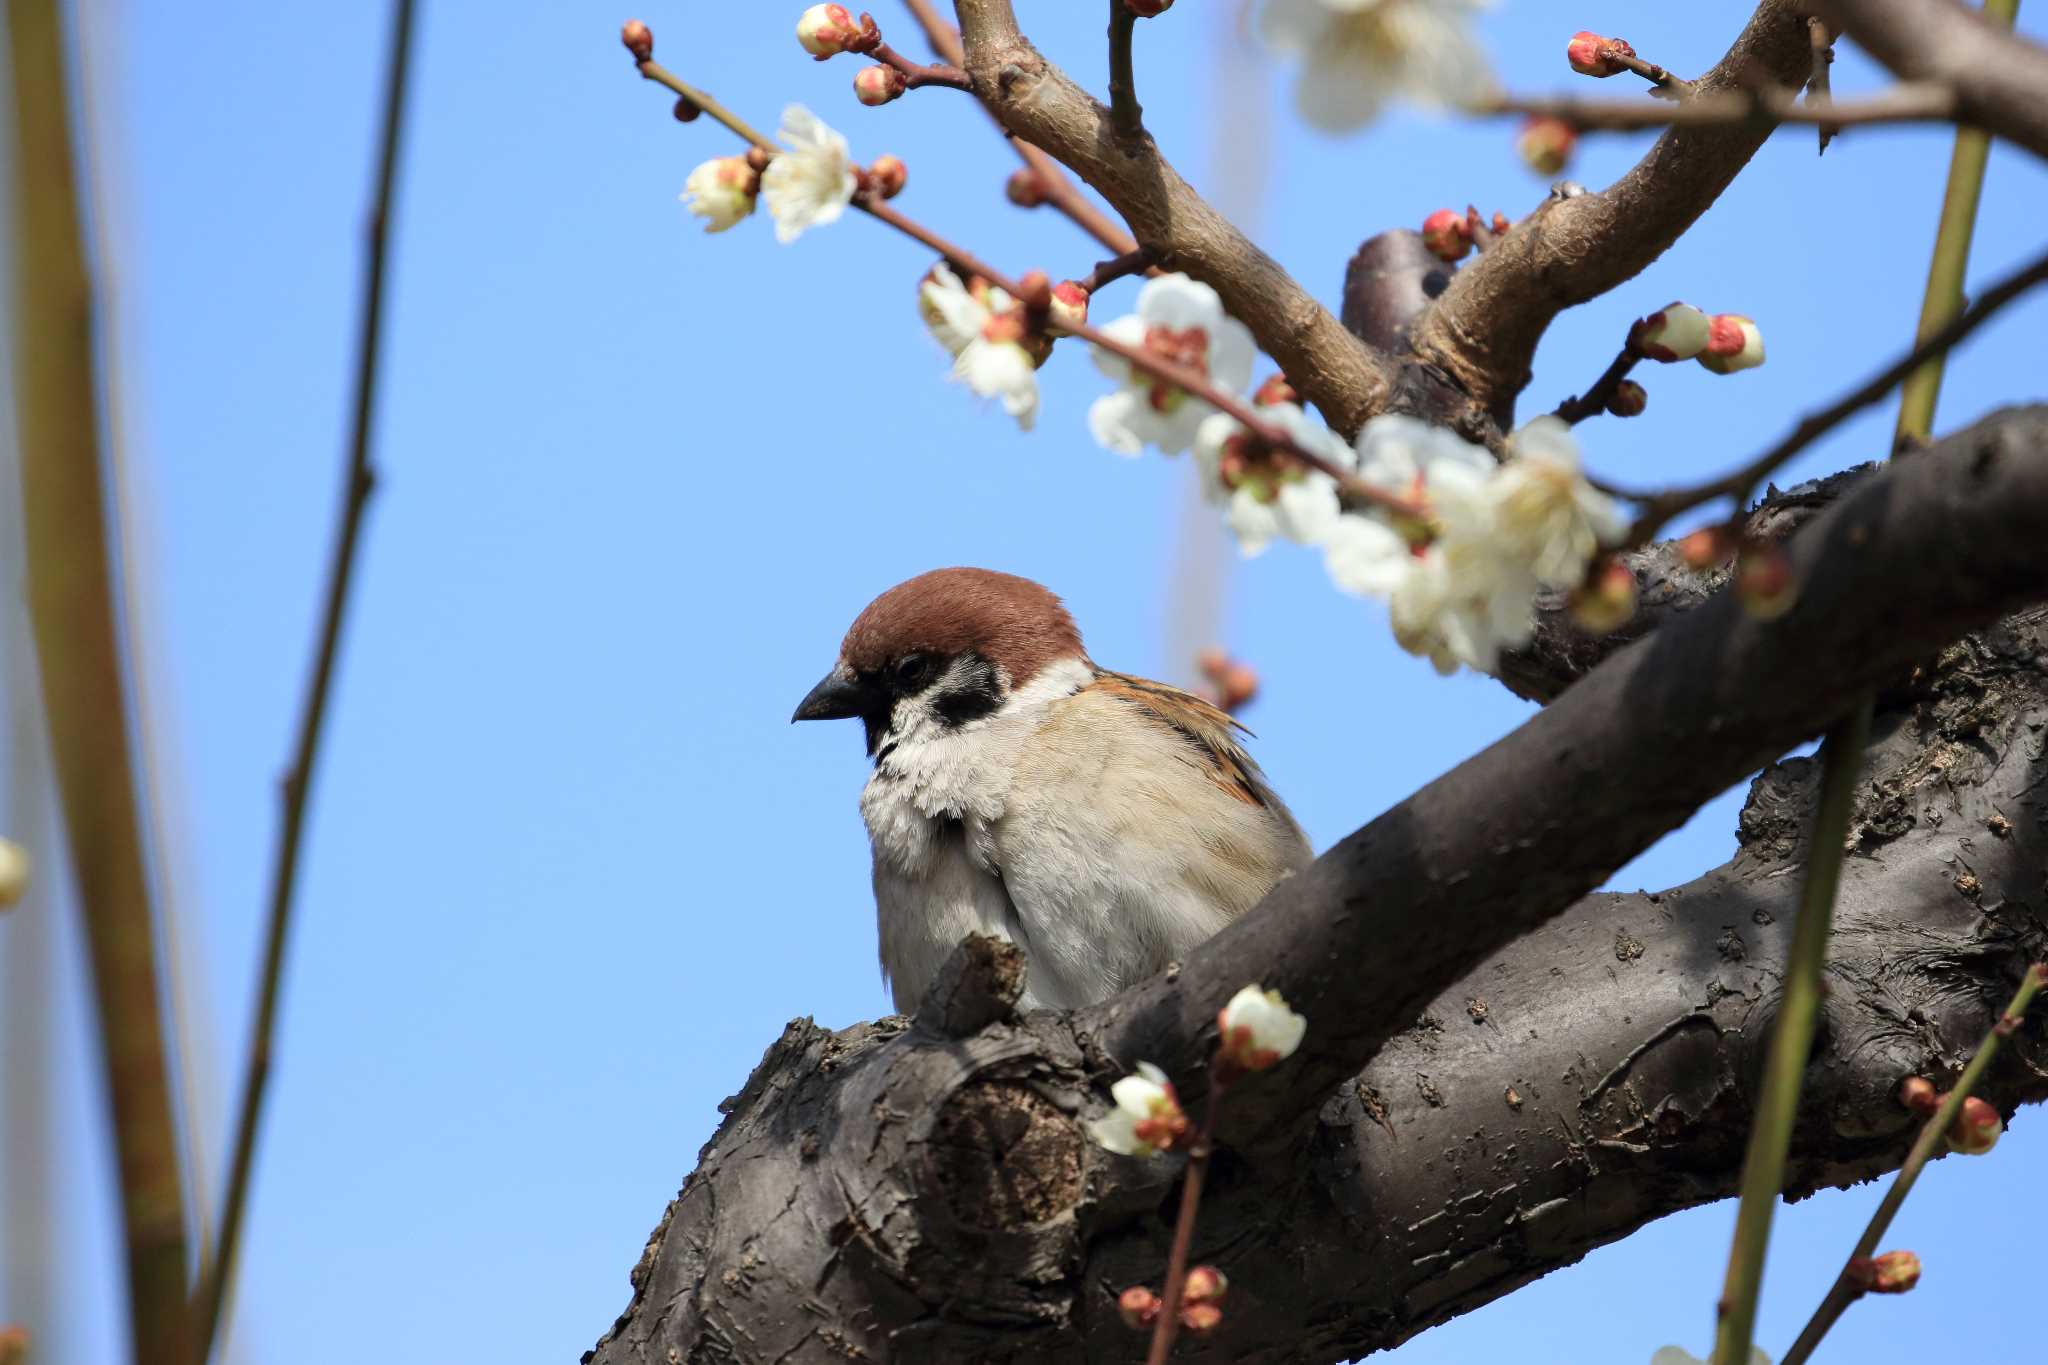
<point x="812" y="182"/>
<point x="1976" y="1128"/>
<point x="1357" y="54"/>
<point x="1180" y="320"/>
<point x="1677" y="331"/>
<point x="1918" y="1094"/>
<point x="1763" y="580"/>
<point x="1590" y="54"/>
<point x="1204" y="1284"/>
<point x="887" y="175"/>
<point x="827" y="30"/>
<point x="1069" y="306"/>
<point x="1147" y="1117"/>
<point x="1138" y="1307"/>
<point x="14" y="870"/>
<point x="721" y="192"/>
<point x="877" y="85"/>
<point x="1270" y="492"/>
<point x="1733" y="343"/>
<point x="1628" y="399"/>
<point x="1200" y="1319"/>
<point x="1707" y="548"/>
<point x="1895" y="1272"/>
<point x="1606" y="600"/>
<point x="1446" y="235"/>
<point x="984" y="332"/>
<point x="1257" y="1030"/>
<point x="1673" y="1355"/>
<point x="1548" y="515"/>
<point x="1545" y="144"/>
<point x="1024" y="188"/>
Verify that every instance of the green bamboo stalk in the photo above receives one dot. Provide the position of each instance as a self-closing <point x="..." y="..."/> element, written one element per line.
<point x="1763" y="1170"/>
<point x="1770" y="1134"/>
<point x="72" y="607"/>
<point x="1944" y="296"/>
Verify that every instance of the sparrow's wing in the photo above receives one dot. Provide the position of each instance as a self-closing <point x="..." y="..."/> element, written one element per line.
<point x="1137" y="827"/>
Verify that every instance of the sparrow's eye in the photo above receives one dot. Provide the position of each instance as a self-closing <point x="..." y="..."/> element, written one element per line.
<point x="913" y="671"/>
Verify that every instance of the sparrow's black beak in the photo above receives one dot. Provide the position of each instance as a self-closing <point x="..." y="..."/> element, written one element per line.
<point x="836" y="697"/>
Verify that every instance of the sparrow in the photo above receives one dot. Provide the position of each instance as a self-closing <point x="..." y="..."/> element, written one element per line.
<point x="1103" y="823"/>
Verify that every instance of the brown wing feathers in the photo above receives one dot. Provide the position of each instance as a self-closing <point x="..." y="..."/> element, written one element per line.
<point x="1210" y="730"/>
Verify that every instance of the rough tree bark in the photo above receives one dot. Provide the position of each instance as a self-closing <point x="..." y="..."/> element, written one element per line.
<point x="922" y="1191"/>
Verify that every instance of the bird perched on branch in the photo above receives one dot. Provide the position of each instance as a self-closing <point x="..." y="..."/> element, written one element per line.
<point x="1103" y="823"/>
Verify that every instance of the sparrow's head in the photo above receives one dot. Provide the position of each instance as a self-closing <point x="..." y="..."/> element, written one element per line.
<point x="944" y="649"/>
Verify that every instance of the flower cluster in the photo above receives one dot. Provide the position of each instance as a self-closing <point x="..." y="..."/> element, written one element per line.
<point x="805" y="186"/>
<point x="1724" y="342"/>
<point x="988" y="335"/>
<point x="1180" y="320"/>
<point x="1357" y="54"/>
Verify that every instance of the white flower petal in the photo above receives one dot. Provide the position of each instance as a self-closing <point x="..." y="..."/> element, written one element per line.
<point x="1112" y="421"/>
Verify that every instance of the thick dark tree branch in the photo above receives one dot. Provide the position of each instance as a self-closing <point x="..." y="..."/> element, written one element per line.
<point x="1485" y="327"/>
<point x="900" y="1192"/>
<point x="2000" y="78"/>
<point x="1346" y="379"/>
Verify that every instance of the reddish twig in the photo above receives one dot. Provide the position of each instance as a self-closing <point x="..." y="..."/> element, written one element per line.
<point x="1059" y="191"/>
<point x="1660" y="507"/>
<point x="1130" y="263"/>
<point x="1594" y="402"/>
<point x="1668" y="86"/>
<point x="1168" y="1321"/>
<point x="917" y="75"/>
<point x="1910" y="102"/>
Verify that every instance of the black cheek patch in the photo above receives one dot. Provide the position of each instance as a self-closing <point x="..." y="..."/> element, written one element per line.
<point x="969" y="693"/>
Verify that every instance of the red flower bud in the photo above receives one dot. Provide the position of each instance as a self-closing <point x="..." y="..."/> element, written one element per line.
<point x="1024" y="188"/>
<point x="639" y="40"/>
<point x="1275" y="389"/>
<point x="1200" y="1319"/>
<point x="1918" y="1094"/>
<point x="1763" y="579"/>
<point x="1546" y="144"/>
<point x="1733" y="343"/>
<point x="1137" y="1306"/>
<point x="1895" y="1272"/>
<point x="877" y="85"/>
<point x="1205" y="1284"/>
<point x="1628" y="399"/>
<point x="1606" y="600"/>
<point x="1705" y="548"/>
<point x="1592" y="55"/>
<point x="887" y="175"/>
<point x="1445" y="234"/>
<point x="1976" y="1128"/>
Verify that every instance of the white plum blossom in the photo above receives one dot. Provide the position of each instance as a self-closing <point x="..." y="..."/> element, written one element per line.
<point x="1366" y="557"/>
<point x="1675" y="1355"/>
<point x="1258" y="1029"/>
<point x="984" y="336"/>
<point x="721" y="192"/>
<point x="1147" y="1117"/>
<point x="1271" y="493"/>
<point x="1549" y="517"/>
<point x="1358" y="54"/>
<point x="812" y="182"/>
<point x="1183" y="320"/>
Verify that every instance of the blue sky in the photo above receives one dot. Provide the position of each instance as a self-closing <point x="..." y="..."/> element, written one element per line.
<point x="570" y="870"/>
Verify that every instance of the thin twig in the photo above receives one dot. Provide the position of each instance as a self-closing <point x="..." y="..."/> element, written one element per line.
<point x="1819" y="88"/>
<point x="1770" y="1133"/>
<point x="661" y="75"/>
<point x="1668" y="86"/>
<point x="1167" y="1324"/>
<point x="1130" y="263"/>
<point x="917" y="75"/>
<point x="73" y="611"/>
<point x="1658" y="508"/>
<point x="358" y="478"/>
<point x="1126" y="115"/>
<point x="1845" y="1290"/>
<point x="1059" y="190"/>
<point x="1911" y="102"/>
<point x="1594" y="402"/>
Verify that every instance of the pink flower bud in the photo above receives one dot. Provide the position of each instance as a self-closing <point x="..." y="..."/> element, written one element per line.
<point x="827" y="30"/>
<point x="1546" y="144"/>
<point x="1895" y="1272"/>
<point x="1592" y="55"/>
<point x="1763" y="580"/>
<point x="887" y="174"/>
<point x="1200" y="1319"/>
<point x="1918" y="1094"/>
<point x="1705" y="548"/>
<point x="1205" y="1284"/>
<point x="639" y="40"/>
<point x="1445" y="234"/>
<point x="877" y="85"/>
<point x="1677" y="331"/>
<point x="1976" y="1128"/>
<point x="1733" y="343"/>
<point x="1069" y="305"/>
<point x="1606" y="600"/>
<point x="1024" y="188"/>
<point x="1275" y="389"/>
<point x="1148" y="9"/>
<point x="1628" y="399"/>
<point x="1138" y="1307"/>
